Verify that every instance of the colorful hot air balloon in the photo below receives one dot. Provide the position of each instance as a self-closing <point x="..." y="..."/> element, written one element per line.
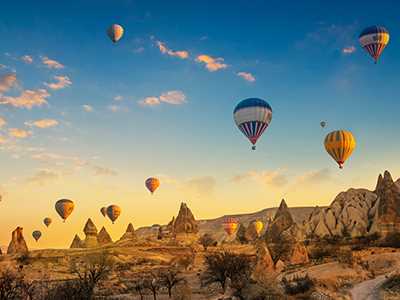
<point x="230" y="225"/>
<point x="340" y="144"/>
<point x="152" y="184"/>
<point x="64" y="208"/>
<point x="115" y="32"/>
<point x="113" y="212"/>
<point x="47" y="221"/>
<point x="323" y="124"/>
<point x="252" y="116"/>
<point x="374" y="39"/>
<point x="36" y="235"/>
<point x="103" y="211"/>
<point x="258" y="226"/>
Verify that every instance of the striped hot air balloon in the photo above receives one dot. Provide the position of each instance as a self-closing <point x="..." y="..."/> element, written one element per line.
<point x="230" y="225"/>
<point x="252" y="116"/>
<point x="340" y="144"/>
<point x="64" y="208"/>
<point x="152" y="184"/>
<point x="115" y="32"/>
<point x="113" y="212"/>
<point x="374" y="39"/>
<point x="36" y="235"/>
<point x="103" y="211"/>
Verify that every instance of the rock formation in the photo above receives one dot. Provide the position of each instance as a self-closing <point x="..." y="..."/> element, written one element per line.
<point x="17" y="244"/>
<point x="103" y="237"/>
<point x="185" y="221"/>
<point x="90" y="231"/>
<point x="76" y="242"/>
<point x="265" y="265"/>
<point x="251" y="232"/>
<point x="129" y="233"/>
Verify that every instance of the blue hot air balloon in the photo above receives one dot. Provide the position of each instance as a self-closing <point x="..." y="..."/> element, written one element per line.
<point x="252" y="116"/>
<point x="374" y="39"/>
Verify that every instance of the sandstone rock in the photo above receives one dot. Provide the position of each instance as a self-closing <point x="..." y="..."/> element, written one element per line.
<point x="129" y="233"/>
<point x="265" y="264"/>
<point x="103" y="237"/>
<point x="282" y="221"/>
<point x="17" y="244"/>
<point x="185" y="221"/>
<point x="251" y="234"/>
<point x="90" y="231"/>
<point x="299" y="254"/>
<point x="76" y="242"/>
<point x="279" y="266"/>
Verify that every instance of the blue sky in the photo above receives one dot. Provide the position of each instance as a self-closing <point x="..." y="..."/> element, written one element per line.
<point x="295" y="52"/>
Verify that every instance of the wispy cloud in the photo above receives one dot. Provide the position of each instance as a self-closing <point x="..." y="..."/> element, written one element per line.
<point x="171" y="97"/>
<point x="19" y="133"/>
<point x="43" y="176"/>
<point x="3" y="140"/>
<point x="102" y="171"/>
<point x="247" y="76"/>
<point x="117" y="108"/>
<point x="27" y="59"/>
<point x="138" y="50"/>
<point x="61" y="82"/>
<point x="43" y="123"/>
<point x="182" y="54"/>
<point x="7" y="81"/>
<point x="27" y="99"/>
<point x="118" y="98"/>
<point x="87" y="108"/>
<point x="274" y="178"/>
<point x="2" y="122"/>
<point x="348" y="50"/>
<point x="51" y="63"/>
<point x="312" y="177"/>
<point x="212" y="64"/>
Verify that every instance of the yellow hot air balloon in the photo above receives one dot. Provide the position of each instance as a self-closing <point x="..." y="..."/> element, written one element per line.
<point x="113" y="212"/>
<point x="47" y="221"/>
<point x="230" y="225"/>
<point x="258" y="226"/>
<point x="115" y="32"/>
<point x="152" y="184"/>
<point x="340" y="144"/>
<point x="64" y="208"/>
<point x="103" y="211"/>
<point x="36" y="235"/>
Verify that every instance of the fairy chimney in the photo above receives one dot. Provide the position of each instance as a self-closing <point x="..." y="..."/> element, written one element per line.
<point x="76" y="242"/>
<point x="90" y="231"/>
<point x="129" y="233"/>
<point x="17" y="244"/>
<point x="103" y="237"/>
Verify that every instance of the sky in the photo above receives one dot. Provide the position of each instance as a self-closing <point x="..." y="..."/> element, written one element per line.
<point x="88" y="120"/>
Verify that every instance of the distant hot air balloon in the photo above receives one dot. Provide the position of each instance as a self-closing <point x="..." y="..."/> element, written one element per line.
<point x="340" y="144"/>
<point x="36" y="235"/>
<point x="64" y="208"/>
<point x="374" y="39"/>
<point x="115" y="32"/>
<point x="103" y="211"/>
<point x="258" y="226"/>
<point x="323" y="124"/>
<point x="252" y="116"/>
<point x="152" y="184"/>
<point x="113" y="212"/>
<point x="230" y="225"/>
<point x="47" y="221"/>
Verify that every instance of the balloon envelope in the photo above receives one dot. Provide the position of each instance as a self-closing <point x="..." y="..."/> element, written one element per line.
<point x="113" y="212"/>
<point x="323" y="124"/>
<point x="64" y="208"/>
<point x="258" y="226"/>
<point x="252" y="116"/>
<point x="374" y="39"/>
<point x="103" y="211"/>
<point x="115" y="32"/>
<point x="152" y="184"/>
<point x="230" y="225"/>
<point x="36" y="235"/>
<point x="47" y="221"/>
<point x="340" y="145"/>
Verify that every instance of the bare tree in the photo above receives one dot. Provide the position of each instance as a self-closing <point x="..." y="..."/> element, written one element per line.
<point x="136" y="285"/>
<point x="153" y="283"/>
<point x="207" y="240"/>
<point x="11" y="285"/>
<point x="169" y="278"/>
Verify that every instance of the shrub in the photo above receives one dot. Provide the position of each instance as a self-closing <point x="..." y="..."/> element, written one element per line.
<point x="169" y="278"/>
<point x="207" y="240"/>
<point x="345" y="257"/>
<point x="297" y="284"/>
<point x="391" y="240"/>
<point x="11" y="285"/>
<point x="392" y="284"/>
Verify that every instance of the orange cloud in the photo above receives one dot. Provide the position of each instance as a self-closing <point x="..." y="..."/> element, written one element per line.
<point x="27" y="59"/>
<point x="349" y="50"/>
<point x="7" y="81"/>
<point x="44" y="123"/>
<point x="212" y="64"/>
<point x="182" y="54"/>
<point x="51" y="63"/>
<point x="150" y="101"/>
<point x="28" y="99"/>
<point x="87" y="108"/>
<point x="19" y="133"/>
<point x="247" y="76"/>
<point x="170" y="97"/>
<point x="2" y="122"/>
<point x="61" y="82"/>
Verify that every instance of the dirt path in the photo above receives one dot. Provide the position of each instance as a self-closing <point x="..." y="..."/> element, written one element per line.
<point x="368" y="290"/>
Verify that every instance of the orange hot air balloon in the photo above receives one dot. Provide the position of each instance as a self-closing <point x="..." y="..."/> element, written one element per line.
<point x="47" y="221"/>
<point x="115" y="32"/>
<point x="152" y="184"/>
<point x="64" y="208"/>
<point x="340" y="145"/>
<point x="113" y="212"/>
<point x="103" y="211"/>
<point x="230" y="225"/>
<point x="258" y="226"/>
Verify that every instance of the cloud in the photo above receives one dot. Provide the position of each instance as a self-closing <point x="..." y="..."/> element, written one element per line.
<point x="115" y="108"/>
<point x="43" y="176"/>
<point x="348" y="50"/>
<point x="247" y="76"/>
<point x="138" y="50"/>
<point x="3" y="140"/>
<point x="7" y="81"/>
<point x="27" y="99"/>
<point x="118" y="98"/>
<point x="61" y="82"/>
<point x="273" y="178"/>
<point x="43" y="123"/>
<point x="51" y="63"/>
<point x="102" y="171"/>
<point x="182" y="54"/>
<point x="2" y="122"/>
<point x="212" y="64"/>
<point x="201" y="185"/>
<point x="174" y="97"/>
<point x="313" y="177"/>
<point x="19" y="133"/>
<point x="87" y="108"/>
<point x="27" y="59"/>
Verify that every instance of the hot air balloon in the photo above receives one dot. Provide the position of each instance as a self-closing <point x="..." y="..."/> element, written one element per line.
<point x="115" y="32"/>
<point x="258" y="226"/>
<point x="252" y="116"/>
<point x="113" y="212"/>
<point x="230" y="225"/>
<point x="64" y="208"/>
<point x="340" y="144"/>
<point x="36" y="235"/>
<point x="374" y="39"/>
<point x="152" y="184"/>
<point x="103" y="211"/>
<point x="47" y="221"/>
<point x="323" y="124"/>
